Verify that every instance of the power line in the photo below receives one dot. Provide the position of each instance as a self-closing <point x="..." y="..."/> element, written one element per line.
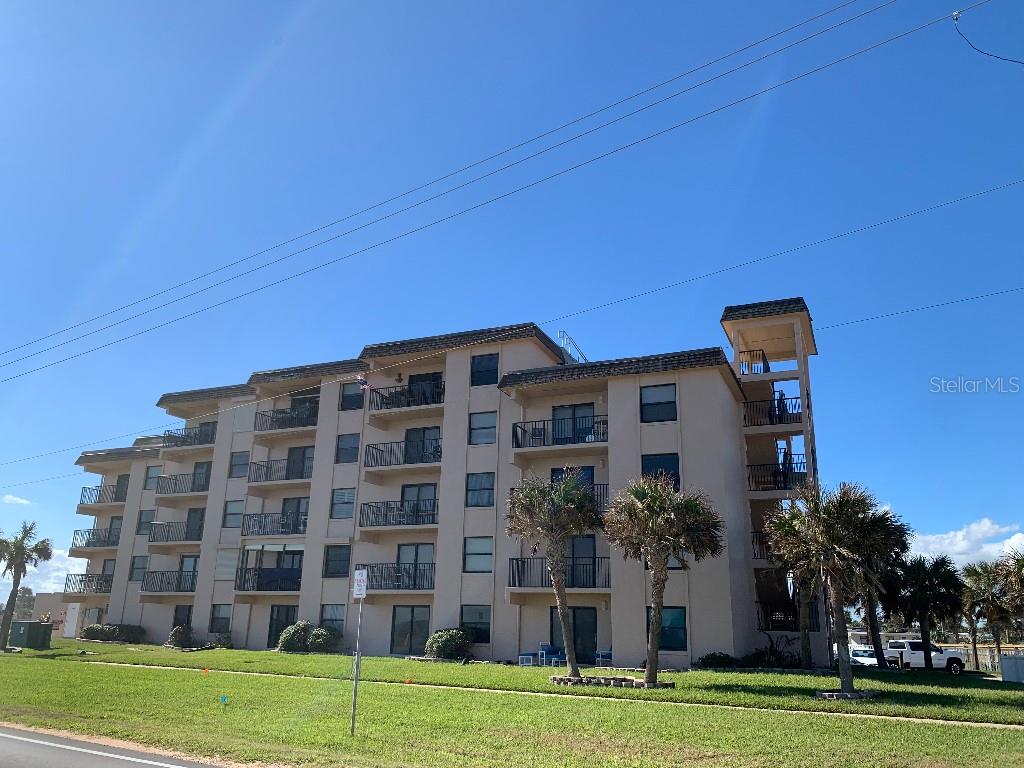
<point x="443" y="177"/>
<point x="842" y="324"/>
<point x="956" y="23"/>
<point x="604" y="305"/>
<point x="455" y="188"/>
<point x="497" y="198"/>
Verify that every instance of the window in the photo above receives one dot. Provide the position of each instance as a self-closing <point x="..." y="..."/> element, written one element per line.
<point x="138" y="567"/>
<point x="483" y="369"/>
<point x="480" y="489"/>
<point x="476" y="621"/>
<point x="347" y="449"/>
<point x="653" y="463"/>
<point x="233" y="511"/>
<point x="239" y="464"/>
<point x="673" y="628"/>
<point x="483" y="428"/>
<point x="477" y="554"/>
<point x="145" y="521"/>
<point x="351" y="397"/>
<point x="107" y="569"/>
<point x="220" y="618"/>
<point x="658" y="403"/>
<point x="333" y="616"/>
<point x="152" y="473"/>
<point x="343" y="502"/>
<point x="336" y="559"/>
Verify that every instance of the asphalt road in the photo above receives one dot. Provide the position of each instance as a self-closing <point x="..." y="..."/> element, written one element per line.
<point x="27" y="749"/>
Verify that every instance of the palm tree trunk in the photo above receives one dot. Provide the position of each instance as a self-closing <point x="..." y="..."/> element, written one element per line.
<point x="12" y="599"/>
<point x="842" y="639"/>
<point x="556" y="569"/>
<point x="875" y="630"/>
<point x="926" y="638"/>
<point x="972" y="627"/>
<point x="999" y="648"/>
<point x="659" y="577"/>
<point x="806" y="660"/>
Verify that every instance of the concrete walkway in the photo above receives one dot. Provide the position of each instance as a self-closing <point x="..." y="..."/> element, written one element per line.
<point x="654" y="702"/>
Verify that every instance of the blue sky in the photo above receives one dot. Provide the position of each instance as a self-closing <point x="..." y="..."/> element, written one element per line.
<point x="143" y="144"/>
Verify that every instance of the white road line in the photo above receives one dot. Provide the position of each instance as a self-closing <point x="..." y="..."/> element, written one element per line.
<point x="95" y="752"/>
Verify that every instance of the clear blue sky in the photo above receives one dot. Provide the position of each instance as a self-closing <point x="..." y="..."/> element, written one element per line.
<point x="143" y="143"/>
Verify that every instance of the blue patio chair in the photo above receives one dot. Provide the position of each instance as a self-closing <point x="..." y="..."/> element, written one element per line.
<point x="603" y="658"/>
<point x="551" y="654"/>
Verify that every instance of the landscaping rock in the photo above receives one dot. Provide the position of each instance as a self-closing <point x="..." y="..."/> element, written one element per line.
<point x="840" y="696"/>
<point x="614" y="682"/>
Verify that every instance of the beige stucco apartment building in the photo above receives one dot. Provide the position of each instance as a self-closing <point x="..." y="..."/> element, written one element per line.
<point x="255" y="513"/>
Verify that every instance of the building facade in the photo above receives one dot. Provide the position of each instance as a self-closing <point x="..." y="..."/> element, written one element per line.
<point x="400" y="461"/>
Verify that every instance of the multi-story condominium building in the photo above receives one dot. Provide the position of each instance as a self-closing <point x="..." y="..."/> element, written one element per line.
<point x="400" y="461"/>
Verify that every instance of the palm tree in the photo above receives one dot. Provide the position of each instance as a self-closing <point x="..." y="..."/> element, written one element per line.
<point x="787" y="547"/>
<point x="826" y="534"/>
<point x="19" y="553"/>
<point x="929" y="590"/>
<point x="883" y="547"/>
<point x="1011" y="575"/>
<point x="546" y="515"/>
<point x="983" y="590"/>
<point x="653" y="523"/>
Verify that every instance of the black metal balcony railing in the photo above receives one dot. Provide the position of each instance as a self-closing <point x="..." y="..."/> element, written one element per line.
<point x="103" y="494"/>
<point x="268" y="579"/>
<point x="187" y="483"/>
<point x="583" y="429"/>
<point x="169" y="581"/>
<point x="753" y="361"/>
<point x="784" y="475"/>
<point x="304" y="415"/>
<point x="96" y="537"/>
<point x="759" y="542"/>
<point x="784" y="617"/>
<point x="408" y="396"/>
<point x="600" y="492"/>
<point x="280" y="469"/>
<point x="204" y="434"/>
<point x="88" y="583"/>
<point x="377" y="513"/>
<point x="273" y="524"/>
<point x="168" y="533"/>
<point x="399" y="575"/>
<point x="580" y="572"/>
<point x="781" y="410"/>
<point x="403" y="452"/>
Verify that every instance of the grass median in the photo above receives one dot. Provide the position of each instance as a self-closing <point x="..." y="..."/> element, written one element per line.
<point x="305" y="721"/>
<point x="916" y="694"/>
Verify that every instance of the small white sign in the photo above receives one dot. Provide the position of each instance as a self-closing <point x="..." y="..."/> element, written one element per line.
<point x="359" y="579"/>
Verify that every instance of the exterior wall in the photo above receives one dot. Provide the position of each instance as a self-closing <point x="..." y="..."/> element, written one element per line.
<point x="719" y="594"/>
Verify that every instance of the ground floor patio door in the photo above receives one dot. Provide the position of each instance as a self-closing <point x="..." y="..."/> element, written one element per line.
<point x="584" y="631"/>
<point x="410" y="626"/>
<point x="281" y="616"/>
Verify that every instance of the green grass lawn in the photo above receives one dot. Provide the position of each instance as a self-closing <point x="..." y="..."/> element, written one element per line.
<point x="915" y="694"/>
<point x="305" y="721"/>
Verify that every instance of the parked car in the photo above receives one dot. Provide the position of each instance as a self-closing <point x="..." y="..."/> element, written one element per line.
<point x="910" y="653"/>
<point x="863" y="656"/>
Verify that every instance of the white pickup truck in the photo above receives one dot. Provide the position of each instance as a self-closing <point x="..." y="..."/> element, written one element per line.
<point x="910" y="654"/>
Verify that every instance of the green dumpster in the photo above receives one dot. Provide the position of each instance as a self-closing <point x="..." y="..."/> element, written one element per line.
<point x="30" y="634"/>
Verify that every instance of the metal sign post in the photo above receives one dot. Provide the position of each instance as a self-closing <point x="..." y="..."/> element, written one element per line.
<point x="359" y="579"/>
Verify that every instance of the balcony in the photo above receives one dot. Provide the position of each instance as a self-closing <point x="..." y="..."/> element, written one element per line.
<point x="398" y="514"/>
<point x="95" y="538"/>
<point x="173" y="582"/>
<point x="753" y="362"/>
<point x="558" y="437"/>
<point x="101" y="496"/>
<point x="777" y="479"/>
<point x="759" y="545"/>
<point x="174" y="534"/>
<point x="281" y="423"/>
<point x="408" y="455"/>
<point x="782" y="415"/>
<point x="268" y="580"/>
<point x="178" y="485"/>
<point x="186" y="438"/>
<point x="418" y="400"/>
<point x="784" y="617"/>
<point x="272" y="524"/>
<point x="79" y="584"/>
<point x="398" y="577"/>
<point x="580" y="573"/>
<point x="265" y="476"/>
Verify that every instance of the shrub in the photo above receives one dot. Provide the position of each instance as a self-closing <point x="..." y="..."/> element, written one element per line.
<point x="119" y="633"/>
<point x="295" y="639"/>
<point x="716" y="660"/>
<point x="93" y="632"/>
<point x="449" y="644"/>
<point x="181" y="637"/>
<point x="323" y="640"/>
<point x="770" y="657"/>
<point x="224" y="640"/>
